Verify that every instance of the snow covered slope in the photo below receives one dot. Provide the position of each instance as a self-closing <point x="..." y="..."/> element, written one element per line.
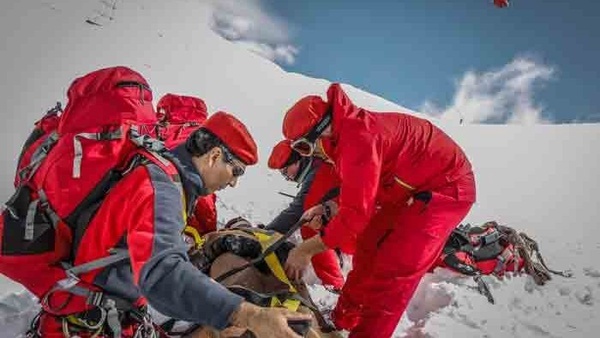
<point x="541" y="179"/>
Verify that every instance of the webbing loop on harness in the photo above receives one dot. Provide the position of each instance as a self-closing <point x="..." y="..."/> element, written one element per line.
<point x="69" y="284"/>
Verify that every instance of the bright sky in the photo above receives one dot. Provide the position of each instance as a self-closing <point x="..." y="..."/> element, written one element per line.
<point x="539" y="179"/>
<point x="535" y="61"/>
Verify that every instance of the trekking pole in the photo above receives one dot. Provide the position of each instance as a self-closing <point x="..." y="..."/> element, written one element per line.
<point x="286" y="194"/>
<point x="483" y="288"/>
<point x="269" y="250"/>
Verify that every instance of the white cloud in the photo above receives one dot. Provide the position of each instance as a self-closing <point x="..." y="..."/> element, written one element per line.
<point x="500" y="95"/>
<point x="248" y="23"/>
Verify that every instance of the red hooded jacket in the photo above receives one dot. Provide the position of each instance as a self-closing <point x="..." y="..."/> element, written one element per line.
<point x="383" y="160"/>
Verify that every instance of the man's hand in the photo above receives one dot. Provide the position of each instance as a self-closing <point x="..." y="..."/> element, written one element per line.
<point x="297" y="261"/>
<point x="266" y="322"/>
<point x="314" y="216"/>
<point x="299" y="257"/>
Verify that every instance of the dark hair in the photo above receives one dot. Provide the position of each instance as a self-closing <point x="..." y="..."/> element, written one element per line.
<point x="201" y="141"/>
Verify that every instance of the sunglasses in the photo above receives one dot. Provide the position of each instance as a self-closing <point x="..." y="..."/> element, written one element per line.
<point x="305" y="146"/>
<point x="237" y="170"/>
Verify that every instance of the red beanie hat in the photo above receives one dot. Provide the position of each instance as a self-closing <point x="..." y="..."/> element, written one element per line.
<point x="283" y="155"/>
<point x="234" y="135"/>
<point x="182" y="109"/>
<point x="303" y="116"/>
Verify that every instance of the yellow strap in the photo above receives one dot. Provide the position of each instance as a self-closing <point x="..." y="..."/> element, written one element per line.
<point x="184" y="204"/>
<point x="188" y="230"/>
<point x="321" y="153"/>
<point x="290" y="304"/>
<point x="192" y="232"/>
<point x="272" y="260"/>
<point x="404" y="184"/>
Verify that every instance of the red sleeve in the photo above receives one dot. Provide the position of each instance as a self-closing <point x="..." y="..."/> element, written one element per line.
<point x="205" y="214"/>
<point x="359" y="166"/>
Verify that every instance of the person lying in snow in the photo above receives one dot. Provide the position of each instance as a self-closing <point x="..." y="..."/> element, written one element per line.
<point x="248" y="261"/>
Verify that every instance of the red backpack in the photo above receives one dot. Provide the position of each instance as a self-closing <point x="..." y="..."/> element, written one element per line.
<point x="44" y="128"/>
<point x="67" y="166"/>
<point x="179" y="116"/>
<point x="493" y="249"/>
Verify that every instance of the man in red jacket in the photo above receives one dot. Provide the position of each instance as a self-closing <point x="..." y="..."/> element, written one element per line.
<point x="405" y="186"/>
<point x="144" y="213"/>
<point x="319" y="184"/>
<point x="179" y="116"/>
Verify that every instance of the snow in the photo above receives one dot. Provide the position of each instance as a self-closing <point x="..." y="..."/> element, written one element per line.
<point x="540" y="179"/>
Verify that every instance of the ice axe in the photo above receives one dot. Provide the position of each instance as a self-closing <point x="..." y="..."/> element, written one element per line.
<point x="483" y="288"/>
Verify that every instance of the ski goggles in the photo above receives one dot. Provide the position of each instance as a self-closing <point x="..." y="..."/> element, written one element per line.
<point x="305" y="146"/>
<point x="304" y="166"/>
<point x="236" y="168"/>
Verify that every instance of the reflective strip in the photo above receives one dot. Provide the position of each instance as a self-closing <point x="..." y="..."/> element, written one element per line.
<point x="78" y="150"/>
<point x="404" y="184"/>
<point x="29" y="220"/>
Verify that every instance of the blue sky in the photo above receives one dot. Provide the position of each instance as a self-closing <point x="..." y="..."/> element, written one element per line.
<point x="533" y="62"/>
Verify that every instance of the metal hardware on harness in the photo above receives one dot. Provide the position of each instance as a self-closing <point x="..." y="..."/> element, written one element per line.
<point x="147" y="329"/>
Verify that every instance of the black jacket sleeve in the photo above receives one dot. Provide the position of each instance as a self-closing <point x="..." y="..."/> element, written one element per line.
<point x="290" y="215"/>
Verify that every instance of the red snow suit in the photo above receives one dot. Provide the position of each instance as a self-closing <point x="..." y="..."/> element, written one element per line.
<point x="405" y="186"/>
<point x="179" y="116"/>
